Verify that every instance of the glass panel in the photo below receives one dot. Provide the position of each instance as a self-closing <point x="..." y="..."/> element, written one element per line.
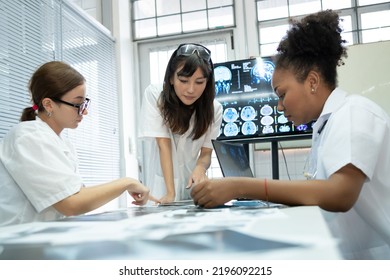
<point x="159" y="61"/>
<point x="168" y="25"/>
<point x="346" y="23"/>
<point x="369" y="2"/>
<point x="375" y="19"/>
<point x="268" y="49"/>
<point x="375" y="35"/>
<point x="336" y="5"/>
<point x="273" y="34"/>
<point x="219" y="3"/>
<point x="144" y="9"/>
<point x="377" y="24"/>
<point x="221" y="17"/>
<point x="170" y="7"/>
<point x="195" y="21"/>
<point x="348" y="36"/>
<point x="218" y="52"/>
<point x="191" y="5"/>
<point x="145" y="28"/>
<point x="271" y="9"/>
<point x="302" y="7"/>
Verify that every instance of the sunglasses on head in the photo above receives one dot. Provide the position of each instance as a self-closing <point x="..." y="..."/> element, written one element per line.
<point x="189" y="49"/>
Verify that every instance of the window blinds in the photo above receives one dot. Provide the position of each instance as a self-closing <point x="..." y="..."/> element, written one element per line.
<point x="34" y="32"/>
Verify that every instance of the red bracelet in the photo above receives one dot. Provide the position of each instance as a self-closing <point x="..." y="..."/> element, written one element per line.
<point x="266" y="189"/>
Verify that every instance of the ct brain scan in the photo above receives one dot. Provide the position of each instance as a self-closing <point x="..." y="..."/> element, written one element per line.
<point x="231" y="129"/>
<point x="268" y="129"/>
<point x="230" y="115"/>
<point x="248" y="113"/>
<point x="266" y="110"/>
<point x="248" y="128"/>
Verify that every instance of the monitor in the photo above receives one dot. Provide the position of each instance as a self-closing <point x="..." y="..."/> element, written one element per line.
<point x="232" y="159"/>
<point x="243" y="87"/>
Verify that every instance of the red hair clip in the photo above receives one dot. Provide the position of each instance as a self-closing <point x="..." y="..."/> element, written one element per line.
<point x="35" y="107"/>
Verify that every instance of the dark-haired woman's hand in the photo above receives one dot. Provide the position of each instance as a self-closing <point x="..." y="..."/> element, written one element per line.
<point x="167" y="198"/>
<point x="197" y="176"/>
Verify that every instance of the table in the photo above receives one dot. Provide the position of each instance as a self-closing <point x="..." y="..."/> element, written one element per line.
<point x="176" y="232"/>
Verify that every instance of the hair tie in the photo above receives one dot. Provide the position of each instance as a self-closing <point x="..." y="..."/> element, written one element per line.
<point x="35" y="107"/>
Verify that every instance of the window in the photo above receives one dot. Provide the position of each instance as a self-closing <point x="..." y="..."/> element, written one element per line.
<point x="367" y="21"/>
<point x="34" y="32"/>
<point x="375" y="26"/>
<point x="154" y="18"/>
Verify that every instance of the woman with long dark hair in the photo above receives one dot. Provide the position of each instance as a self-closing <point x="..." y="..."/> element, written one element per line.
<point x="178" y="121"/>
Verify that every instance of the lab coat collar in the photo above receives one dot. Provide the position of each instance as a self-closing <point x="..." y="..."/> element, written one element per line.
<point x="332" y="104"/>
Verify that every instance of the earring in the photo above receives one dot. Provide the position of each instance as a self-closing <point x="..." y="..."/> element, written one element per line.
<point x="313" y="90"/>
<point x="48" y="114"/>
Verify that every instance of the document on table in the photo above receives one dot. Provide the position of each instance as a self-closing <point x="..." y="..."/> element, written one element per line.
<point x="151" y="226"/>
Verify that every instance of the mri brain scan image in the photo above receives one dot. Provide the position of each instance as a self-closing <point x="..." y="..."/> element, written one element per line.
<point x="263" y="70"/>
<point x="223" y="77"/>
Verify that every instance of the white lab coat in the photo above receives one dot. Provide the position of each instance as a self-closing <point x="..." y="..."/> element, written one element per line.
<point x="37" y="169"/>
<point x="357" y="132"/>
<point x="185" y="151"/>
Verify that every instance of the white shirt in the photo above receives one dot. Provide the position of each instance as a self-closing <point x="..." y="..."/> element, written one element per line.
<point x="357" y="132"/>
<point x="37" y="169"/>
<point x="185" y="151"/>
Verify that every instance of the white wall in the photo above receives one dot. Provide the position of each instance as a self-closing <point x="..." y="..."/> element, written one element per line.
<point x="367" y="72"/>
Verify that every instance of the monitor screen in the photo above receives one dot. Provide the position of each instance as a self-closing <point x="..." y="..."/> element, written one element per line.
<point x="232" y="159"/>
<point x="243" y="87"/>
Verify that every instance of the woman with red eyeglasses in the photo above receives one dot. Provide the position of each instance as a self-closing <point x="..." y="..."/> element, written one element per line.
<point x="39" y="168"/>
<point x="178" y="121"/>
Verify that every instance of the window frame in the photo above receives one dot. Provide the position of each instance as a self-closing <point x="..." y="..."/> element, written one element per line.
<point x="355" y="11"/>
<point x="155" y="19"/>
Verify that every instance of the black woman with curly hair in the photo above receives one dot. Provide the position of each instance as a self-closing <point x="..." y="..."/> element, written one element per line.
<point x="349" y="166"/>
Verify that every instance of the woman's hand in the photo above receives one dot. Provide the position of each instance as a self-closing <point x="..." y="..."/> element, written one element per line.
<point x="213" y="193"/>
<point x="197" y="176"/>
<point x="139" y="192"/>
<point x="168" y="198"/>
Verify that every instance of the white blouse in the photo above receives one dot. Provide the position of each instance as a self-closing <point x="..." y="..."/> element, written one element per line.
<point x="38" y="169"/>
<point x="357" y="132"/>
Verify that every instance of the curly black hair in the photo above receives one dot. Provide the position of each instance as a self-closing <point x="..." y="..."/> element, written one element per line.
<point x="313" y="43"/>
